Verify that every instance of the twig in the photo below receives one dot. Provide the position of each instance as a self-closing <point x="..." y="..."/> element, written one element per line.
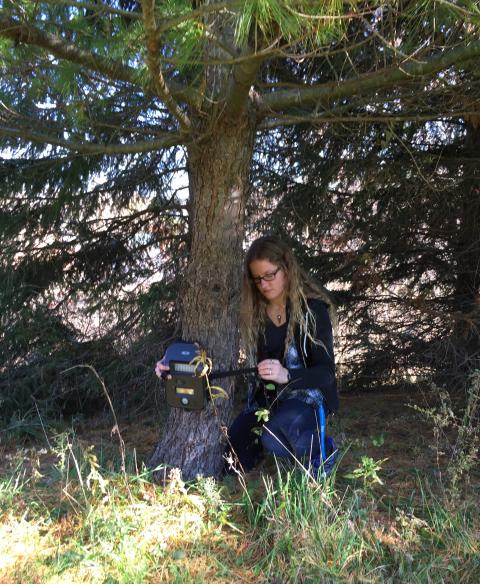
<point x="43" y="427"/>
<point x="116" y="428"/>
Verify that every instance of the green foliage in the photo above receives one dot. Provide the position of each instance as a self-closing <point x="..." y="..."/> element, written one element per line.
<point x="367" y="472"/>
<point x="290" y="20"/>
<point x="12" y="487"/>
<point x="95" y="247"/>
<point x="379" y="440"/>
<point x="262" y="415"/>
<point x="185" y="41"/>
<point x="375" y="213"/>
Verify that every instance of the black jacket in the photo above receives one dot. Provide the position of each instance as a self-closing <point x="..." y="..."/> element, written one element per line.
<point x="314" y="366"/>
<point x="318" y="358"/>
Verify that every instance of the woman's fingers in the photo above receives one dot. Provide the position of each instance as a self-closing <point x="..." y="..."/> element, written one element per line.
<point x="161" y="368"/>
<point x="272" y="370"/>
<point x="269" y="369"/>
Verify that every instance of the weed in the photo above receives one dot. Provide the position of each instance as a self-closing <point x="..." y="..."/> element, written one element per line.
<point x="456" y="433"/>
<point x="86" y="519"/>
<point x="11" y="488"/>
<point x="217" y="509"/>
<point x="367" y="472"/>
<point x="379" y="440"/>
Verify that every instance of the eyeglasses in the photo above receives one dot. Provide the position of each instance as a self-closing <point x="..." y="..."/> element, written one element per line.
<point x="268" y="277"/>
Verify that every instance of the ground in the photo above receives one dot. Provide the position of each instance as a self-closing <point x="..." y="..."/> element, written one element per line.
<point x="55" y="528"/>
<point x="377" y="424"/>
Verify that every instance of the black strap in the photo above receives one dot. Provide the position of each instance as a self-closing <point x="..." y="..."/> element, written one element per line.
<point x="232" y="372"/>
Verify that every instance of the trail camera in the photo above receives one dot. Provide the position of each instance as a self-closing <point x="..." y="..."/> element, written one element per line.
<point x="185" y="389"/>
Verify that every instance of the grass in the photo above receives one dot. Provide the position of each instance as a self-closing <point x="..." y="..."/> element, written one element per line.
<point x="69" y="513"/>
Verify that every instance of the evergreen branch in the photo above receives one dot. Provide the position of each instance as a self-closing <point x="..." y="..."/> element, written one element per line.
<point x="167" y="24"/>
<point x="100" y="8"/>
<point x="357" y="119"/>
<point x="30" y="35"/>
<point x="167" y="141"/>
<point x="329" y="17"/>
<point x="232" y="59"/>
<point x="369" y="82"/>
<point x="20" y="32"/>
<point x="199" y="12"/>
<point x="272" y="51"/>
<point x="459" y="9"/>
<point x="153" y="52"/>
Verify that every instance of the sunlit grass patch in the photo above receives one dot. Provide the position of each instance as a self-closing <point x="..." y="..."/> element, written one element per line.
<point x="323" y="533"/>
<point x="22" y="543"/>
<point x="70" y="514"/>
<point x="81" y="523"/>
<point x="136" y="530"/>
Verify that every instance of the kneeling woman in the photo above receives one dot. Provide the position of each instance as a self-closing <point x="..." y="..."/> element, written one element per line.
<point x="287" y="331"/>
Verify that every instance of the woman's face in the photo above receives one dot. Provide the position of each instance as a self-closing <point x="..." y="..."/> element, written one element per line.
<point x="274" y="290"/>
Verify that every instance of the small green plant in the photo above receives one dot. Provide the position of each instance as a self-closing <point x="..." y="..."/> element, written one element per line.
<point x="379" y="440"/>
<point x="367" y="472"/>
<point x="263" y="415"/>
<point x="216" y="508"/>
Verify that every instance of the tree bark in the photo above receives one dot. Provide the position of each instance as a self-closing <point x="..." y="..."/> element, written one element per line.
<point x="218" y="175"/>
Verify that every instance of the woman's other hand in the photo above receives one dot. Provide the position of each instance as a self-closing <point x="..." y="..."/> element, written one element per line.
<point x="161" y="369"/>
<point x="273" y="370"/>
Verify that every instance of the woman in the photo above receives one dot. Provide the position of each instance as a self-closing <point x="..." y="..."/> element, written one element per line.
<point x="286" y="330"/>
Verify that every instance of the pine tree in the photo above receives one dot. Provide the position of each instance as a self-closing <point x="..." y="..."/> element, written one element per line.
<point x="124" y="92"/>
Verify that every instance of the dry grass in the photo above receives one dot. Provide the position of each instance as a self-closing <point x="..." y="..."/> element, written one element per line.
<point x="57" y="525"/>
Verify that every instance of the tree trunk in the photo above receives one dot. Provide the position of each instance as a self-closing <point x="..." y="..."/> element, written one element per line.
<point x="218" y="175"/>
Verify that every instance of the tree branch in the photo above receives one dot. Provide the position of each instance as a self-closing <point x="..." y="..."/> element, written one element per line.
<point x="368" y="83"/>
<point x="30" y="35"/>
<point x="201" y="11"/>
<point x="381" y="118"/>
<point x="100" y="8"/>
<point x="243" y="77"/>
<point x="95" y="149"/>
<point x="153" y="53"/>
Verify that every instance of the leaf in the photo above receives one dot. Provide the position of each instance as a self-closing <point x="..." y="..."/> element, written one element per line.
<point x="219" y="392"/>
<point x="262" y="415"/>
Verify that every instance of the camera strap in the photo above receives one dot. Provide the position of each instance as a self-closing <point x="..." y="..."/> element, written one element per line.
<point x="232" y="372"/>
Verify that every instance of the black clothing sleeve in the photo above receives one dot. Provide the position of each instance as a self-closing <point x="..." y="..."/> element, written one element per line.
<point x="318" y="358"/>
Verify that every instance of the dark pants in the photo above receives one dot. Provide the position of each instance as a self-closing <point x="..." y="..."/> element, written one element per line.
<point x="292" y="430"/>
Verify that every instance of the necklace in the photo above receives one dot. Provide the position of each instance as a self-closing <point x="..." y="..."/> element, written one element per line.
<point x="277" y="315"/>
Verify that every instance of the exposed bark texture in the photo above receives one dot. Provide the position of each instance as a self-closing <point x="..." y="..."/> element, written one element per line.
<point x="218" y="171"/>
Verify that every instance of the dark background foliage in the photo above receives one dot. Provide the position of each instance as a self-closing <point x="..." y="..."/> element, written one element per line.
<point x="386" y="217"/>
<point x="382" y="211"/>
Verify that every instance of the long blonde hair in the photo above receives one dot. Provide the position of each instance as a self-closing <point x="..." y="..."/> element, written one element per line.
<point x="299" y="288"/>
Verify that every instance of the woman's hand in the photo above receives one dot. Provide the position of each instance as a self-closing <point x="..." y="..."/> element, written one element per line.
<point x="272" y="370"/>
<point x="161" y="369"/>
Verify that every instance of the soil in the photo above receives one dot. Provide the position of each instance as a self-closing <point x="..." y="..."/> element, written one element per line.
<point x="381" y="425"/>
